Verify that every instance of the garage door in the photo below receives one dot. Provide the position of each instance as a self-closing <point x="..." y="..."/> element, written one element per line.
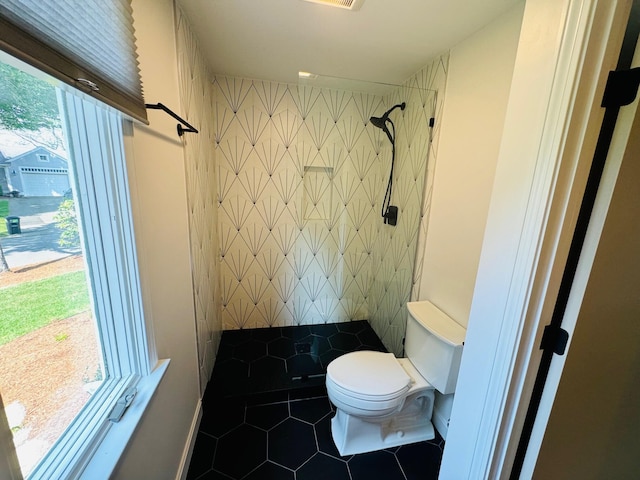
<point x="44" y="182"/>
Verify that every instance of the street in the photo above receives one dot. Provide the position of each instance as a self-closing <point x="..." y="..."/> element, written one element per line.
<point x="38" y="242"/>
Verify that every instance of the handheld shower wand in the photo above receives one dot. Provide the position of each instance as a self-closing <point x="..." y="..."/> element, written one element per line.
<point x="389" y="213"/>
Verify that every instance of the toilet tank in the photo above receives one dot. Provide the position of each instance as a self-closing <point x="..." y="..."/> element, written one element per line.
<point x="433" y="343"/>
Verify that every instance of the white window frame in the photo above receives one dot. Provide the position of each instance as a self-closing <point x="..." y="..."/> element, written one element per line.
<point x="43" y="158"/>
<point x="92" y="445"/>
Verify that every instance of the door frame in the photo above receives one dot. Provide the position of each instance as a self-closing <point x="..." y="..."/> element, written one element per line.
<point x="566" y="49"/>
<point x="614" y="136"/>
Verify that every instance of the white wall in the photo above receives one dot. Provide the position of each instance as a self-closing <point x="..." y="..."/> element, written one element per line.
<point x="159" y="202"/>
<point x="478" y="83"/>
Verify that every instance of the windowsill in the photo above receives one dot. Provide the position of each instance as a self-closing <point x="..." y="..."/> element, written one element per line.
<point x="114" y="443"/>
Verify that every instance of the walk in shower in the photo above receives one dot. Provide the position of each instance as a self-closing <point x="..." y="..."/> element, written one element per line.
<point x="302" y="175"/>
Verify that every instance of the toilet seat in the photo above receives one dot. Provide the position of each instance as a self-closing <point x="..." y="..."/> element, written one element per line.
<point x="371" y="383"/>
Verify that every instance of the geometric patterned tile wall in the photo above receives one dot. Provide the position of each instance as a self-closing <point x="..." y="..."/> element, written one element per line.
<point x="432" y="77"/>
<point x="399" y="268"/>
<point x="201" y="176"/>
<point x="301" y="176"/>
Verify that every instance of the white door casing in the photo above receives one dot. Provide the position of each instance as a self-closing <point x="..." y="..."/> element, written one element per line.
<point x="565" y="51"/>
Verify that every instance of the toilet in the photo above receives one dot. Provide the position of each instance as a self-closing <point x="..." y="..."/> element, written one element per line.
<point x="382" y="401"/>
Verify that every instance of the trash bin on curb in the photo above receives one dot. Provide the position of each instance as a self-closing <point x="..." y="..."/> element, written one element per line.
<point x="13" y="225"/>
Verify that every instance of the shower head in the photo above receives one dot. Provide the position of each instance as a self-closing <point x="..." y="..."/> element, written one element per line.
<point x="381" y="122"/>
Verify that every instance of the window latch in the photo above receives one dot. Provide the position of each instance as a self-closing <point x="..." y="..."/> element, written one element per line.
<point x="122" y="404"/>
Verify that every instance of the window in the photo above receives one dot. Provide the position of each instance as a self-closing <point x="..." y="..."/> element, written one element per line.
<point x="95" y="137"/>
<point x="43" y="158"/>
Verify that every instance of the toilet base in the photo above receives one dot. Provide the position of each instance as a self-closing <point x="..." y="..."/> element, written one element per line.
<point x="353" y="435"/>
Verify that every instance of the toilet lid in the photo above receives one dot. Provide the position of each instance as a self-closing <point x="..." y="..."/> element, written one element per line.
<point x="368" y="373"/>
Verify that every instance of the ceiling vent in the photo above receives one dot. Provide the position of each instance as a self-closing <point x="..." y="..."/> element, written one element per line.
<point x="346" y="4"/>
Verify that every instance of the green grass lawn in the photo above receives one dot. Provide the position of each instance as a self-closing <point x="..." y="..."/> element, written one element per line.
<point x="4" y="211"/>
<point x="31" y="305"/>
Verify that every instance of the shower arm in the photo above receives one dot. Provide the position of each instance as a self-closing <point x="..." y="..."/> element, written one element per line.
<point x="401" y="106"/>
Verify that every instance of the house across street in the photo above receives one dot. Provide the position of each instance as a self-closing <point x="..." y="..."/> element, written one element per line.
<point x="38" y="172"/>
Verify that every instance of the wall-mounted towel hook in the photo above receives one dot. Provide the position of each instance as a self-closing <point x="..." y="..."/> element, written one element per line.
<point x="181" y="129"/>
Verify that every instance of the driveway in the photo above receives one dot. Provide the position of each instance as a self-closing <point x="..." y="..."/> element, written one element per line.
<point x="38" y="242"/>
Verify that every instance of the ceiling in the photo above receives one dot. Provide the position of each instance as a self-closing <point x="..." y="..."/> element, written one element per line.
<point x="385" y="41"/>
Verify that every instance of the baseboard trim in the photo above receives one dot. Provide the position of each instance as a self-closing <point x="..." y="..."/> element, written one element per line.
<point x="191" y="441"/>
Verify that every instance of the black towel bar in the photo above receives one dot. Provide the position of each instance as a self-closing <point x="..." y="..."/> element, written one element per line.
<point x="181" y="129"/>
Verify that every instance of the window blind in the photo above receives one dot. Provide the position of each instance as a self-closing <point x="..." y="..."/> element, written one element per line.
<point x="89" y="44"/>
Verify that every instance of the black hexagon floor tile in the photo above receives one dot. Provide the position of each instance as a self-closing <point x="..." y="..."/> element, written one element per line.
<point x="311" y="410"/>
<point x="297" y="332"/>
<point x="371" y="341"/>
<point x="264" y="421"/>
<point x="270" y="471"/>
<point x="304" y="364"/>
<point x="282" y="347"/>
<point x="250" y="351"/>
<point x="225" y="351"/>
<point x="229" y="370"/>
<point x="322" y="467"/>
<point x="235" y="337"/>
<point x="327" y="357"/>
<point x="291" y="443"/>
<point x="379" y="464"/>
<point x="309" y="392"/>
<point x="267" y="367"/>
<point x="267" y="416"/>
<point x="213" y="475"/>
<point x="266" y="398"/>
<point x="356" y="326"/>
<point x="202" y="457"/>
<point x="344" y="341"/>
<point x="266" y="334"/>
<point x="324" y="439"/>
<point x="215" y="424"/>
<point x="241" y="451"/>
<point x="324" y="330"/>
<point x="420" y="460"/>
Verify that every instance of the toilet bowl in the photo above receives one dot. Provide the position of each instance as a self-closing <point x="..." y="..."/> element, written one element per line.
<point x="382" y="401"/>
